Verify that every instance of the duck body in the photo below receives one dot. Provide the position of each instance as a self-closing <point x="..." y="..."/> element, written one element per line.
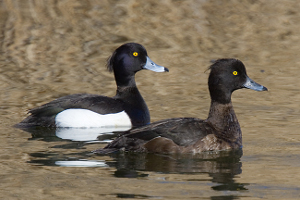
<point x="88" y="110"/>
<point x="184" y="135"/>
<point x="126" y="108"/>
<point x="220" y="131"/>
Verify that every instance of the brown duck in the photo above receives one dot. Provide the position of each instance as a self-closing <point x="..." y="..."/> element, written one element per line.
<point x="220" y="131"/>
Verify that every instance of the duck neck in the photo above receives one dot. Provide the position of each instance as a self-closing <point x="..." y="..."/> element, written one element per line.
<point x="128" y="94"/>
<point x="124" y="79"/>
<point x="134" y="104"/>
<point x="223" y="119"/>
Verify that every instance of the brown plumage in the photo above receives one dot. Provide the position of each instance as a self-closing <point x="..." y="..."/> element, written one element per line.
<point x="220" y="131"/>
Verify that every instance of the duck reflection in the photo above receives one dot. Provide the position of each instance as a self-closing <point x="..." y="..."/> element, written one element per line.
<point x="206" y="162"/>
<point x="221" y="166"/>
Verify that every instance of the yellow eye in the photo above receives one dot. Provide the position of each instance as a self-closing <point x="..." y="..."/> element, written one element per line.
<point x="235" y="73"/>
<point x="135" y="54"/>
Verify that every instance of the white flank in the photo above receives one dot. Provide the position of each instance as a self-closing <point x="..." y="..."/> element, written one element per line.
<point x="83" y="118"/>
<point x="87" y="134"/>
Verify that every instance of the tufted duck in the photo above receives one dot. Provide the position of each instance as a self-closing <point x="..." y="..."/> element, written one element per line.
<point x="220" y="131"/>
<point x="126" y="108"/>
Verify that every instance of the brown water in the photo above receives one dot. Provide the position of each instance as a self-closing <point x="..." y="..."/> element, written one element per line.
<point x="54" y="48"/>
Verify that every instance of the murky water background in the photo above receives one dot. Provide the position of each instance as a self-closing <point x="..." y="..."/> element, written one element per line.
<point x="54" y="48"/>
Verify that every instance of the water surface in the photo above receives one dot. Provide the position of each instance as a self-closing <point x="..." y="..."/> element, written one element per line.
<point x="51" y="49"/>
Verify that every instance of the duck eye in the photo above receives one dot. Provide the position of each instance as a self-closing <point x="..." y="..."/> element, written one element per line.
<point x="135" y="54"/>
<point x="235" y="73"/>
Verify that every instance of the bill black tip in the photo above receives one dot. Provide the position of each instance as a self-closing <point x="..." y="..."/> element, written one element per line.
<point x="265" y="89"/>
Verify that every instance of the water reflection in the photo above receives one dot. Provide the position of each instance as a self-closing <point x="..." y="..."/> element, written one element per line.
<point x="224" y="162"/>
<point x="207" y="162"/>
<point x="221" y="167"/>
<point x="137" y="196"/>
<point x="67" y="160"/>
<point x="81" y="163"/>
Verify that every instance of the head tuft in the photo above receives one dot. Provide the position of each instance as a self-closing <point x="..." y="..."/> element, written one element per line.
<point x="109" y="63"/>
<point x="224" y="62"/>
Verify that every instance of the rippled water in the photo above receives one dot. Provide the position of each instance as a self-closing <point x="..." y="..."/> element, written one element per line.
<point x="51" y="49"/>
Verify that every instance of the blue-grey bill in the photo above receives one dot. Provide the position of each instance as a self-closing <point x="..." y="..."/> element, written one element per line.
<point x="250" y="84"/>
<point x="150" y="65"/>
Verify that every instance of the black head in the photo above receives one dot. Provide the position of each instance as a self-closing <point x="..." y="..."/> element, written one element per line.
<point x="128" y="59"/>
<point x="226" y="76"/>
